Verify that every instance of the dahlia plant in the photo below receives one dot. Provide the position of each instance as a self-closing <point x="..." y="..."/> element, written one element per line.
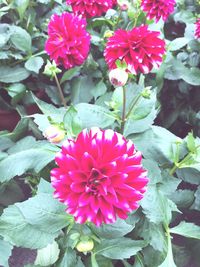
<point x="101" y="166"/>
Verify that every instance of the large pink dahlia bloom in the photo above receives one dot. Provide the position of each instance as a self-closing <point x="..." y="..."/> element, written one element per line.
<point x="91" y="8"/>
<point x="197" y="29"/>
<point x="157" y="9"/>
<point x="99" y="176"/>
<point x="140" y="48"/>
<point x="68" y="42"/>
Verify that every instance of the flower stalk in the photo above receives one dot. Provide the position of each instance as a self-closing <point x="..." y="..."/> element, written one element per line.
<point x="62" y="98"/>
<point x="123" y="110"/>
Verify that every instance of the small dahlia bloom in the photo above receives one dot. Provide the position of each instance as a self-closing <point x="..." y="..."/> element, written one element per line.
<point x="68" y="42"/>
<point x="197" y="29"/>
<point x="54" y="134"/>
<point x="157" y="9"/>
<point x="91" y="8"/>
<point x="118" y="77"/>
<point x="99" y="176"/>
<point x="140" y="48"/>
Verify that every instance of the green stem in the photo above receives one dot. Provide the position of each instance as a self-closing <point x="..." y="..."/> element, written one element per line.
<point x="174" y="168"/>
<point x="118" y="19"/>
<point x="178" y="164"/>
<point x="62" y="98"/>
<point x="135" y="101"/>
<point x="93" y="260"/>
<point x="123" y="110"/>
<point x="137" y="14"/>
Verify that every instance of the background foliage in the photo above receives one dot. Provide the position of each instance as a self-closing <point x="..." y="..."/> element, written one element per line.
<point x="34" y="227"/>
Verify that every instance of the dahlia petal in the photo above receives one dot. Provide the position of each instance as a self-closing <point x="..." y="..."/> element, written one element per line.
<point x="87" y="162"/>
<point x="197" y="29"/>
<point x="77" y="187"/>
<point x="121" y="214"/>
<point x="84" y="199"/>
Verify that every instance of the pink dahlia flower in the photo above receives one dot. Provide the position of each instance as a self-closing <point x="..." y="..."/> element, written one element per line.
<point x="91" y="8"/>
<point x="68" y="43"/>
<point x="99" y="176"/>
<point x="140" y="48"/>
<point x="158" y="8"/>
<point x="197" y="29"/>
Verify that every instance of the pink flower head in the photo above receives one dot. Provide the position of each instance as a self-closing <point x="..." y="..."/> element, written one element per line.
<point x="91" y="8"/>
<point x="99" y="176"/>
<point x="68" y="43"/>
<point x="197" y="29"/>
<point x="158" y="8"/>
<point x="140" y="48"/>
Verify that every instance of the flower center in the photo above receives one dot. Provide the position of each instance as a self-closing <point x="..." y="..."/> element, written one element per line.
<point x="94" y="180"/>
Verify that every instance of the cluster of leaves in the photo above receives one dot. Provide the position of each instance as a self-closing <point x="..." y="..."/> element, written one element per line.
<point x="35" y="230"/>
<point x="179" y="75"/>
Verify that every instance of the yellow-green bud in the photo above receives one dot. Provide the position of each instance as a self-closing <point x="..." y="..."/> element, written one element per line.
<point x="85" y="245"/>
<point x="108" y="34"/>
<point x="146" y="93"/>
<point x="51" y="69"/>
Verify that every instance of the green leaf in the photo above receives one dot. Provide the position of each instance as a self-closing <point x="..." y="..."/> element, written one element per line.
<point x="20" y="38"/>
<point x="34" y="64"/>
<point x="156" y="143"/>
<point x="154" y="234"/>
<point x="35" y="222"/>
<point x="189" y="175"/>
<point x="13" y="74"/>
<point x="35" y="157"/>
<point x="10" y="193"/>
<point x="186" y="229"/>
<point x="21" y="6"/>
<point x="81" y="89"/>
<point x="48" y="255"/>
<point x="196" y="204"/>
<point x="169" y="260"/>
<point x="113" y="248"/>
<point x="16" y="91"/>
<point x="5" y="143"/>
<point x="183" y="198"/>
<point x="99" y="90"/>
<point x="49" y="109"/>
<point x="176" y="70"/>
<point x="191" y="142"/>
<point x="45" y="187"/>
<point x="178" y="43"/>
<point x="156" y="206"/>
<point x="5" y="252"/>
<point x="72" y="122"/>
<point x="68" y="259"/>
<point x="138" y="126"/>
<point x="93" y="115"/>
<point x="118" y="229"/>
<point x="69" y="74"/>
<point x="154" y="172"/>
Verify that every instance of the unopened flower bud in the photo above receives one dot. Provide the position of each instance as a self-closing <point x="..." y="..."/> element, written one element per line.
<point x="85" y="245"/>
<point x="51" y="69"/>
<point x="108" y="34"/>
<point x="146" y="93"/>
<point x="123" y="4"/>
<point x="118" y="77"/>
<point x="54" y="134"/>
